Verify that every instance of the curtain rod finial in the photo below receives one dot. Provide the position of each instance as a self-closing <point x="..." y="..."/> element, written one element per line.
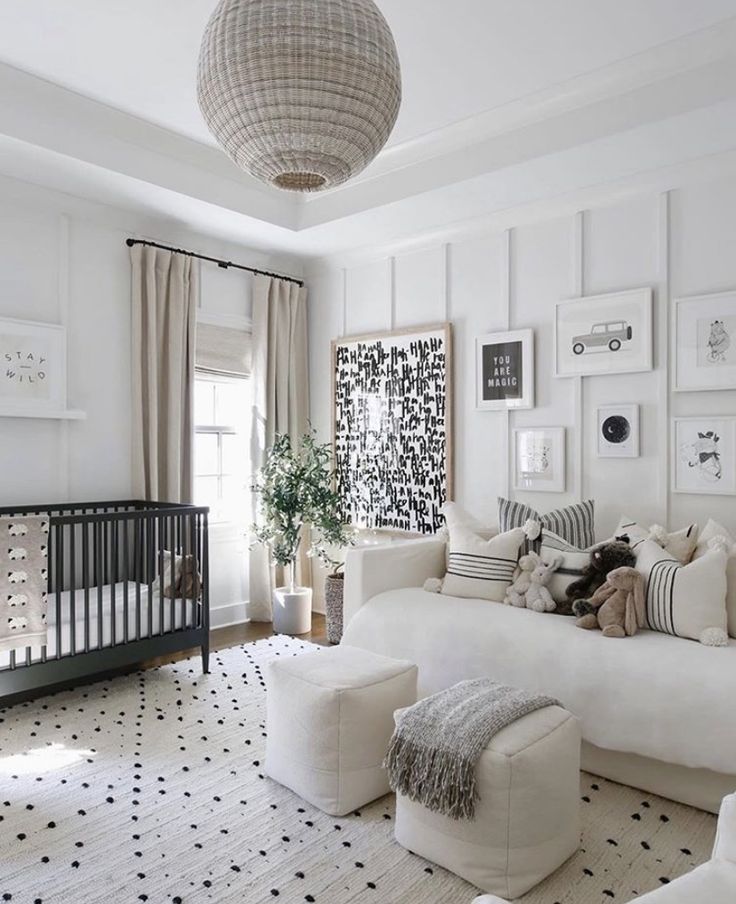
<point x="130" y="242"/>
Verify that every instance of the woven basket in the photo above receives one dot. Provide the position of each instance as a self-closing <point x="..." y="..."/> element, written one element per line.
<point x="334" y="587"/>
<point x="301" y="94"/>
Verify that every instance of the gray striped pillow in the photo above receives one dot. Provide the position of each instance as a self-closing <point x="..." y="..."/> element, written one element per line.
<point x="574" y="523"/>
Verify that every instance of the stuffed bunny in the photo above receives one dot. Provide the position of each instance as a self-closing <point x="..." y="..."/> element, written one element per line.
<point x="603" y="559"/>
<point x="516" y="594"/>
<point x="617" y="607"/>
<point x="529" y="590"/>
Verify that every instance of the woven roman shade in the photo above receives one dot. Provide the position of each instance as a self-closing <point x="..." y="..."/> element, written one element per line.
<point x="222" y="350"/>
<point x="300" y="93"/>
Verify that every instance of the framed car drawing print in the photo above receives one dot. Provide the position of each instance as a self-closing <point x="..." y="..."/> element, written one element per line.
<point x="505" y="370"/>
<point x="604" y="334"/>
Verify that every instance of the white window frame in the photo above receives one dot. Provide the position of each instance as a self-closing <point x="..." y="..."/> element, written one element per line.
<point x="219" y="431"/>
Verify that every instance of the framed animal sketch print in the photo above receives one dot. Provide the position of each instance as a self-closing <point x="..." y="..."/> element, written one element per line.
<point x="539" y="459"/>
<point x="32" y="366"/>
<point x="392" y="428"/>
<point x="704" y="333"/>
<point x="704" y="451"/>
<point x="604" y="334"/>
<point x="505" y="370"/>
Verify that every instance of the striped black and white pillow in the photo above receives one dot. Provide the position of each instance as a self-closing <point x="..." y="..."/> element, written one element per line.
<point x="574" y="560"/>
<point x="478" y="568"/>
<point x="574" y="523"/>
<point x="685" y="600"/>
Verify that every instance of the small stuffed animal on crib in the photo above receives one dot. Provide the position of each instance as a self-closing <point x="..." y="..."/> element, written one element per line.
<point x="529" y="590"/>
<point x="617" y="607"/>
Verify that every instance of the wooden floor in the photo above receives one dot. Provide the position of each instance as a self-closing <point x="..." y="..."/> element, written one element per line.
<point x="233" y="636"/>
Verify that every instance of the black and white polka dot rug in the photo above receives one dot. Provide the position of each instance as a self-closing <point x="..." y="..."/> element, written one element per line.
<point x="151" y="788"/>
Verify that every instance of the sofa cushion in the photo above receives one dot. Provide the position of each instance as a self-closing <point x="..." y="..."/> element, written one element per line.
<point x="685" y="600"/>
<point x="714" y="529"/>
<point x="680" y="543"/>
<point x="574" y="523"/>
<point x="478" y="568"/>
<point x="652" y="694"/>
<point x="574" y="561"/>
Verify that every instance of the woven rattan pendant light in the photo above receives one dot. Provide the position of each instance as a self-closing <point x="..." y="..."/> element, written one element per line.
<point x="300" y="93"/>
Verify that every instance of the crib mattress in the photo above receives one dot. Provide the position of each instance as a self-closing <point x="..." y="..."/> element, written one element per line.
<point x="107" y="600"/>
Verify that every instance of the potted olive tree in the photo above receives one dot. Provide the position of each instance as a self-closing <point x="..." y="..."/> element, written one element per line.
<point x="295" y="493"/>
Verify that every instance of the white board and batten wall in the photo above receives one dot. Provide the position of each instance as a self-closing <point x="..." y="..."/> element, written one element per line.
<point x="64" y="260"/>
<point x="679" y="242"/>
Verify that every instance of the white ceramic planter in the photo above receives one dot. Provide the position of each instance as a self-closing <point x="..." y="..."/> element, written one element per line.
<point x="292" y="611"/>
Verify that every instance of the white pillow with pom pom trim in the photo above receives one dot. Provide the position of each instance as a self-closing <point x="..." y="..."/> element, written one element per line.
<point x="714" y="529"/>
<point x="686" y="600"/>
<point x="483" y="569"/>
<point x="680" y="543"/>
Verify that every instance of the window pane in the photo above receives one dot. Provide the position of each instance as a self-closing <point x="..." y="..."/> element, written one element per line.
<point x="205" y="492"/>
<point x="234" y="499"/>
<point x="234" y="460"/>
<point x="231" y="403"/>
<point x="204" y="402"/>
<point x="205" y="453"/>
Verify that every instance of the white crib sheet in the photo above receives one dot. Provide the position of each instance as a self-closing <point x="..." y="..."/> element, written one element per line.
<point x="185" y="615"/>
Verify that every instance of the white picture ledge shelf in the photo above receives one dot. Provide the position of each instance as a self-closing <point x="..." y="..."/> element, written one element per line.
<point x="64" y="414"/>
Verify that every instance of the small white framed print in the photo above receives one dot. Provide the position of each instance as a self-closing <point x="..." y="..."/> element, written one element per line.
<point x="33" y="372"/>
<point x="704" y="455"/>
<point x="505" y="370"/>
<point x="539" y="459"/>
<point x="618" y="431"/>
<point x="604" y="334"/>
<point x="704" y="338"/>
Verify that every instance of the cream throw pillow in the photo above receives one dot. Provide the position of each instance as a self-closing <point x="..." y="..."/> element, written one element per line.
<point x="685" y="600"/>
<point x="714" y="529"/>
<point x="478" y="568"/>
<point x="680" y="544"/>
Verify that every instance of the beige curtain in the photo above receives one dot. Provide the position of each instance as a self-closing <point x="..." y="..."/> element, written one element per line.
<point x="165" y="288"/>
<point x="280" y="405"/>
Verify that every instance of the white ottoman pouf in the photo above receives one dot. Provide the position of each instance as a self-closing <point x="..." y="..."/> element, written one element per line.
<point x="527" y="821"/>
<point x="329" y="720"/>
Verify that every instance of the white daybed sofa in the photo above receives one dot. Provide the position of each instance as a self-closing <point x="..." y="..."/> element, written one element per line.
<point x="657" y="712"/>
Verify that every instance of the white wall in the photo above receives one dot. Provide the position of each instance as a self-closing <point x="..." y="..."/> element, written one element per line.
<point x="677" y="242"/>
<point x="63" y="260"/>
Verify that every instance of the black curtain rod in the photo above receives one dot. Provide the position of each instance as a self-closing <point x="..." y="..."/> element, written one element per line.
<point x="213" y="260"/>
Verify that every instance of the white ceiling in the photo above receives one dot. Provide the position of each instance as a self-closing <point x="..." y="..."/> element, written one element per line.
<point x="491" y="88"/>
<point x="459" y="57"/>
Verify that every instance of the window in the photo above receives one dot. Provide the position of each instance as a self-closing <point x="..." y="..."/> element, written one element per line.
<point x="221" y="460"/>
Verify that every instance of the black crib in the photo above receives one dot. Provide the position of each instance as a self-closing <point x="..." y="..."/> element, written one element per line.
<point x="109" y="606"/>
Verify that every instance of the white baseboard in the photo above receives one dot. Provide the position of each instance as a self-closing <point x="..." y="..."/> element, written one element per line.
<point x="230" y="614"/>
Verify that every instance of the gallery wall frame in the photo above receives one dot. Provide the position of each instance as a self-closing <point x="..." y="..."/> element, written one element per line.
<point x="504" y="364"/>
<point x="704" y="342"/>
<point x="617" y="433"/>
<point x="704" y="455"/>
<point x="392" y="425"/>
<point x="539" y="459"/>
<point x="604" y="334"/>
<point x="32" y="368"/>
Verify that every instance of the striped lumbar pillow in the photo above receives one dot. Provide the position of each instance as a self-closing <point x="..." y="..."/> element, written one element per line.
<point x="685" y="600"/>
<point x="574" y="560"/>
<point x="479" y="568"/>
<point x="574" y="523"/>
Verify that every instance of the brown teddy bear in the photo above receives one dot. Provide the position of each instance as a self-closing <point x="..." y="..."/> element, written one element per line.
<point x="617" y="608"/>
<point x="603" y="559"/>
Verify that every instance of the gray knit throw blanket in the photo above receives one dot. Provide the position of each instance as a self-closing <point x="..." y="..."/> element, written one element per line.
<point x="437" y="743"/>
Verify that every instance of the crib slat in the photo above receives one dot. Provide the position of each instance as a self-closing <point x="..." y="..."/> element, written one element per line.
<point x="160" y="539"/>
<point x="72" y="589"/>
<point x="97" y="537"/>
<point x="113" y="581"/>
<point x="58" y="571"/>
<point x="85" y="581"/>
<point x="172" y="552"/>
<point x="126" y="579"/>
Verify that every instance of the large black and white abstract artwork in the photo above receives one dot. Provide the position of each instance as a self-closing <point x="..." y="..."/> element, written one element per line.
<point x="392" y="428"/>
